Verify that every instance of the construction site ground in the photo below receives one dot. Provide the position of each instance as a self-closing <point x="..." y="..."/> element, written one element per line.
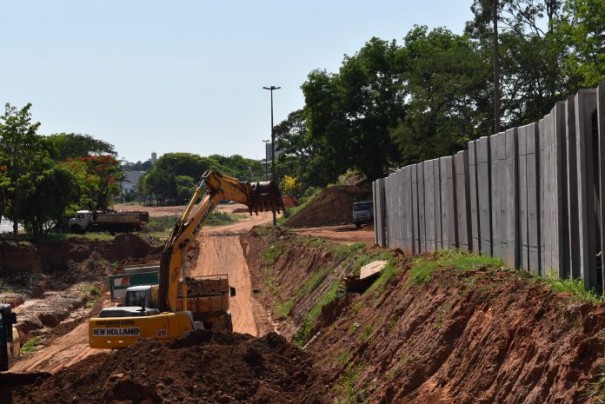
<point x="482" y="335"/>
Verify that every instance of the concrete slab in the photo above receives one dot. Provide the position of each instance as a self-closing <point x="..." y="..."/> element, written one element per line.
<point x="372" y="268"/>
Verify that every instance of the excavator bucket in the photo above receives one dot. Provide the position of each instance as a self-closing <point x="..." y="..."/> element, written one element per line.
<point x="265" y="196"/>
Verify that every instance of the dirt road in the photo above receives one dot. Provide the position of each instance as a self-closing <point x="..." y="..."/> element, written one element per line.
<point x="221" y="253"/>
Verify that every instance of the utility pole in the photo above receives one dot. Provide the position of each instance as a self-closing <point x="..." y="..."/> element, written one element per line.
<point x="271" y="88"/>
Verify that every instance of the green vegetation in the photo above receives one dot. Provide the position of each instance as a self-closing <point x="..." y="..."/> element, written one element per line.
<point x="346" y="385"/>
<point x="596" y="389"/>
<point x="317" y="278"/>
<point x="175" y="176"/>
<point x="31" y="345"/>
<point x="423" y="267"/>
<point x="271" y="254"/>
<point x="365" y="335"/>
<point x="310" y="320"/>
<point x="343" y="357"/>
<point x="223" y="218"/>
<point x="574" y="287"/>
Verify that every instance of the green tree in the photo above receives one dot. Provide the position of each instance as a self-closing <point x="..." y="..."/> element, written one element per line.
<point x="583" y="32"/>
<point x="530" y="55"/>
<point x="55" y="191"/>
<point x="62" y="146"/>
<point x="23" y="154"/>
<point x="448" y="101"/>
<point x="350" y="114"/>
<point x="97" y="178"/>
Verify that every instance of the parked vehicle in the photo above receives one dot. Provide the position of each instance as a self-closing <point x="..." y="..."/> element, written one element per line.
<point x="363" y="213"/>
<point x="86" y="220"/>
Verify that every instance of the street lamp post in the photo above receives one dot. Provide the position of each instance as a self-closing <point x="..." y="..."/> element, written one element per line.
<point x="266" y="160"/>
<point x="271" y="88"/>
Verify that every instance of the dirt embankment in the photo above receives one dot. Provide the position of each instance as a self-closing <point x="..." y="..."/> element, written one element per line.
<point x="485" y="335"/>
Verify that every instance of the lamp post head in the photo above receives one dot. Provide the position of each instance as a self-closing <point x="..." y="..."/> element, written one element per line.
<point x="272" y="88"/>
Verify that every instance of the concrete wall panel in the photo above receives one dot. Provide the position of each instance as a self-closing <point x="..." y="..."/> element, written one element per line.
<point x="448" y="203"/>
<point x="429" y="200"/>
<point x="421" y="207"/>
<point x="484" y="194"/>
<point x="601" y="149"/>
<point x="533" y="197"/>
<point x="474" y="196"/>
<point x="586" y="103"/>
<point x="415" y="215"/>
<point x="463" y="213"/>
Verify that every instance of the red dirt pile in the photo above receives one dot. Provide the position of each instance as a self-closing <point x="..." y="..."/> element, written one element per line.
<point x="332" y="207"/>
<point x="475" y="336"/>
<point x="206" y="367"/>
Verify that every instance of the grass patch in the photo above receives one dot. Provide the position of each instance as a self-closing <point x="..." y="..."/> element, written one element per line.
<point x="223" y="218"/>
<point x="574" y="287"/>
<point x="596" y="389"/>
<point x="97" y="236"/>
<point x="315" y="242"/>
<point x="388" y="273"/>
<point x="349" y="251"/>
<point x="31" y="345"/>
<point x="345" y="387"/>
<point x="423" y="267"/>
<point x="308" y="323"/>
<point x="343" y="357"/>
<point x="271" y="254"/>
<point x="365" y="334"/>
<point x="311" y="283"/>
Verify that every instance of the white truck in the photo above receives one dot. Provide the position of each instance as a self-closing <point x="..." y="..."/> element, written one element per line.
<point x="86" y="220"/>
<point x="363" y="213"/>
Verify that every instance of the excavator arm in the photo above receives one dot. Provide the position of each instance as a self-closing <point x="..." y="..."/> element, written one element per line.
<point x="214" y="187"/>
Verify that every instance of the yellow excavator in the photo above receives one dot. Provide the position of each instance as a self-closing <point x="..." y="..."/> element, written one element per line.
<point x="156" y="312"/>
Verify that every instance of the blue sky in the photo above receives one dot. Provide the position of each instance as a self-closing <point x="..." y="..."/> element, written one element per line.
<point x="186" y="76"/>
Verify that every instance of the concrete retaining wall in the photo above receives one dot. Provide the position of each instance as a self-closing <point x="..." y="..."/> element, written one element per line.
<point x="531" y="195"/>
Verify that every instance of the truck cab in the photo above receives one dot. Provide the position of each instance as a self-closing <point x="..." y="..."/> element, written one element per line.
<point x="363" y="213"/>
<point x="81" y="221"/>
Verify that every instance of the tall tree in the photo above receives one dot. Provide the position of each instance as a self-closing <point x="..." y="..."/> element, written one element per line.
<point x="22" y="153"/>
<point x="98" y="179"/>
<point x="350" y="114"/>
<point x="55" y="191"/>
<point x="72" y="145"/>
<point x="583" y="31"/>
<point x="448" y="102"/>
<point x="530" y="55"/>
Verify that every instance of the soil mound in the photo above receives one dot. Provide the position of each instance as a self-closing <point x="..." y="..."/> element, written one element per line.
<point x="208" y="367"/>
<point x="332" y="207"/>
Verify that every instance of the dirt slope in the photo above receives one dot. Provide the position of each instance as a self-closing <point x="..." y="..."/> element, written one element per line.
<point x="332" y="207"/>
<point x="485" y="335"/>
